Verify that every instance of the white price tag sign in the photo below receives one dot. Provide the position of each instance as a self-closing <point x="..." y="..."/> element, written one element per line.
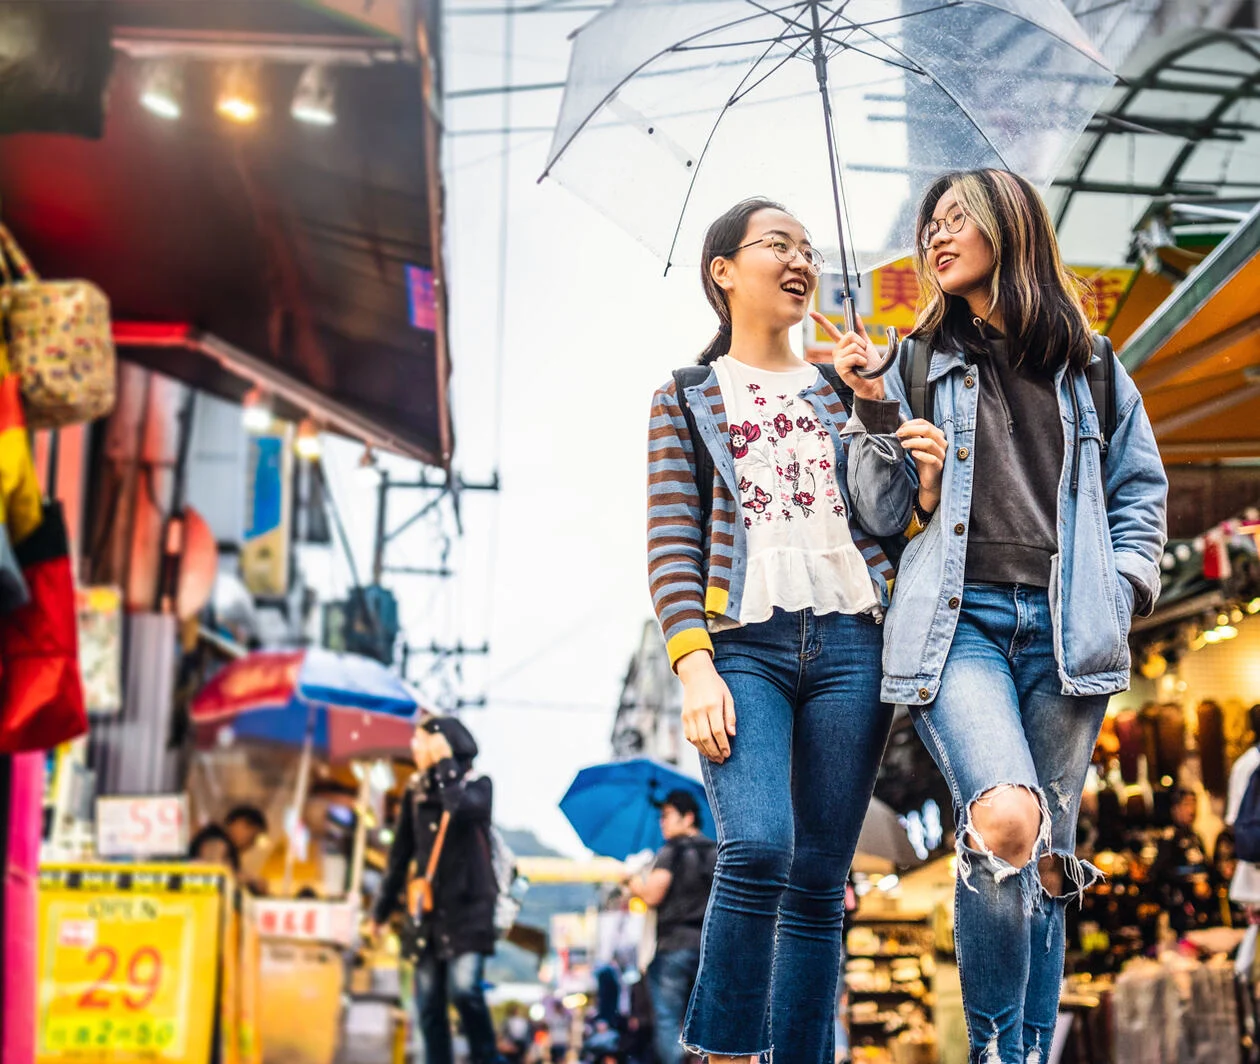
<point x="149" y="826"/>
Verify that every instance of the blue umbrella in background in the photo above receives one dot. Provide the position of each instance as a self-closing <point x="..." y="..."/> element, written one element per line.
<point x="615" y="807"/>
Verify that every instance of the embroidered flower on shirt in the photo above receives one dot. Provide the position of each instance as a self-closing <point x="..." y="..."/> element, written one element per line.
<point x="823" y="434"/>
<point x="744" y="483"/>
<point x="838" y="510"/>
<point x="824" y="464"/>
<point x="759" y="501"/>
<point x="742" y="436"/>
<point x="793" y="471"/>
<point x="754" y="387"/>
<point x="748" y="522"/>
<point x="760" y="400"/>
<point x="804" y="500"/>
<point x="787" y="515"/>
<point x="806" y="424"/>
<point x="782" y="425"/>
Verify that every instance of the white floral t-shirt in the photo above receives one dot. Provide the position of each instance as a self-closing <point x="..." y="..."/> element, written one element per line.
<point x="800" y="550"/>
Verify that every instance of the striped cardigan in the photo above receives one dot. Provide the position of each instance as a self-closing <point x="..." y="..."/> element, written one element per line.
<point x="696" y="573"/>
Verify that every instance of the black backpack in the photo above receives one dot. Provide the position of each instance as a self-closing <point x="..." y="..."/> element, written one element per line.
<point x="690" y="377"/>
<point x="916" y="359"/>
<point x="1247" y="823"/>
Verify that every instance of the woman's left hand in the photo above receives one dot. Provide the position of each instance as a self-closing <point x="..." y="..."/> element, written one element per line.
<point x="853" y="351"/>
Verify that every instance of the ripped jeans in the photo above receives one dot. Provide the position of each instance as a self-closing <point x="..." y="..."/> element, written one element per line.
<point x="1001" y="722"/>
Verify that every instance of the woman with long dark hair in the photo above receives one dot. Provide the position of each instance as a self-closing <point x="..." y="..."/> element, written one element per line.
<point x="1009" y="628"/>
<point x="771" y="599"/>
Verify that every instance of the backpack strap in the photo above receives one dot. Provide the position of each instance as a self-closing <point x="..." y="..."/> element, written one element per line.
<point x="702" y="461"/>
<point x="915" y="362"/>
<point x="1102" y="388"/>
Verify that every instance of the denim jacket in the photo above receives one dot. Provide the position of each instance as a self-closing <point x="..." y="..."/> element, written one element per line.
<point x="1111" y="532"/>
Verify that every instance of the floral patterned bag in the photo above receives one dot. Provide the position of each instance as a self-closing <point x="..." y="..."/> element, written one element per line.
<point x="60" y="342"/>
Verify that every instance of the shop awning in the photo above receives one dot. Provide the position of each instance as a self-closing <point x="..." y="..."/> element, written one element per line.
<point x="1197" y="357"/>
<point x="312" y="251"/>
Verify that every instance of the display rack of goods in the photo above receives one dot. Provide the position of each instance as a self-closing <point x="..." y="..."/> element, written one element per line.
<point x="888" y="974"/>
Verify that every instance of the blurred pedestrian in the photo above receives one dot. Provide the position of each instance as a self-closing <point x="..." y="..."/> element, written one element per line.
<point x="451" y="941"/>
<point x="1036" y="541"/>
<point x="1244" y="887"/>
<point x="770" y="596"/>
<point x="677" y="887"/>
<point x="1182" y="873"/>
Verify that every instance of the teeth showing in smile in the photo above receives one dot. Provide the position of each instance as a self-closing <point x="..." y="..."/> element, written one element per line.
<point x="944" y="261"/>
<point x="797" y="288"/>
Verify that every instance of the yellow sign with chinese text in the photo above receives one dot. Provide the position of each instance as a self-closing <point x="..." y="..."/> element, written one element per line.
<point x="128" y="963"/>
<point x="889" y="298"/>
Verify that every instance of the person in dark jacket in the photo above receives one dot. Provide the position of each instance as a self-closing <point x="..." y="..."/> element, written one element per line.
<point x="456" y="937"/>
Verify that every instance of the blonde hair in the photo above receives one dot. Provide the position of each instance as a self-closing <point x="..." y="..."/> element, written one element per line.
<point x="1038" y="298"/>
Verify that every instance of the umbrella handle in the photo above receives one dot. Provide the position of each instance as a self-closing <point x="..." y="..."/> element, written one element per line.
<point x="890" y="353"/>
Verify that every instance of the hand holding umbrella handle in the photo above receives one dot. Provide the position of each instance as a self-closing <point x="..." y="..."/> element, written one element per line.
<point x="890" y="354"/>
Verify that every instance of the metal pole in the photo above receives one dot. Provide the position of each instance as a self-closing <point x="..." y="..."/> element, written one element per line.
<point x="378" y="552"/>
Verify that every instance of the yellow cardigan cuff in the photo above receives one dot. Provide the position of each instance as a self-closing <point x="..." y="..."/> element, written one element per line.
<point x="685" y="642"/>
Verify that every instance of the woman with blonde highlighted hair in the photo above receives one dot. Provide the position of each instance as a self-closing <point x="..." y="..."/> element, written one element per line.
<point x="1031" y="551"/>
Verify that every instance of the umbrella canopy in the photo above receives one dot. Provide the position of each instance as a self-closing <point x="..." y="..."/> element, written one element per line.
<point x="615" y="807"/>
<point x="347" y="705"/>
<point x="674" y="110"/>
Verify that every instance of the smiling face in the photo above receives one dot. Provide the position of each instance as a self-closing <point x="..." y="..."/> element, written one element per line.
<point x="758" y="287"/>
<point x="962" y="262"/>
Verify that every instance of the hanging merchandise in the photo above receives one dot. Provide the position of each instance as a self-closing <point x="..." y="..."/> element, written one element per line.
<point x="41" y="694"/>
<point x="60" y="343"/>
<point x="20" y="512"/>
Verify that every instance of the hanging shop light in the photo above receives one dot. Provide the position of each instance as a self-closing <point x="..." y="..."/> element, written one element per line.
<point x="238" y="96"/>
<point x="256" y="413"/>
<point x="162" y="90"/>
<point x="1227" y="631"/>
<point x="313" y="101"/>
<point x="307" y="444"/>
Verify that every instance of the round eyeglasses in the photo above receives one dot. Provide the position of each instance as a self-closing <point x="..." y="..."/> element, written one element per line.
<point x="951" y="223"/>
<point x="786" y="249"/>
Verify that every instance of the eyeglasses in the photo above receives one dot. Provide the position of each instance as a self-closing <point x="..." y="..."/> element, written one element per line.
<point x="786" y="250"/>
<point x="951" y="223"/>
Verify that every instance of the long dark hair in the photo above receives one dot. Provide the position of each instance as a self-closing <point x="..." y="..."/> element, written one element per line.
<point x="720" y="241"/>
<point x="1038" y="297"/>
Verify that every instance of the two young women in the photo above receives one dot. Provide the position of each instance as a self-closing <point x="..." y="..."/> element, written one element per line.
<point x="1033" y="543"/>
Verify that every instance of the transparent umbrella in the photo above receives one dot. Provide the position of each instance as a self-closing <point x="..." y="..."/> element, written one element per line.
<point x="843" y="110"/>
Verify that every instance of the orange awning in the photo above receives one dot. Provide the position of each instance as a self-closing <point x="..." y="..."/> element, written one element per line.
<point x="1197" y="358"/>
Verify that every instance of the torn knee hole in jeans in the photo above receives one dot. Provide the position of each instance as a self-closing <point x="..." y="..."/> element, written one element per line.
<point x="970" y="844"/>
<point x="1065" y="877"/>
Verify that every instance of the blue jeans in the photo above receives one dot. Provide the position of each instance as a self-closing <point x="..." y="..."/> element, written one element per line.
<point x="1001" y="720"/>
<point x="671" y="976"/>
<point x="440" y="984"/>
<point x="788" y="804"/>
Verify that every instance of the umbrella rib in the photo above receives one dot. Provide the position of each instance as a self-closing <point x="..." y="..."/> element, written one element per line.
<point x="741" y="92"/>
<point x="738" y="94"/>
<point x="927" y="73"/>
<point x="634" y="73"/>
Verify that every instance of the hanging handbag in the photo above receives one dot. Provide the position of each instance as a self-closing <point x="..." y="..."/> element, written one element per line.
<point x="60" y="342"/>
<point x="420" y="896"/>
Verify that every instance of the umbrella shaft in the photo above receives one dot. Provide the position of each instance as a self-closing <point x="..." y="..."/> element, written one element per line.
<point x="833" y="159"/>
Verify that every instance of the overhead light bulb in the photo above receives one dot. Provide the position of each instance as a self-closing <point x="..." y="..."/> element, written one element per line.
<point x="307" y="444"/>
<point x="162" y="90"/>
<point x="256" y="413"/>
<point x="1212" y="635"/>
<point x="313" y="101"/>
<point x="238" y="98"/>
<point x="1227" y="631"/>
